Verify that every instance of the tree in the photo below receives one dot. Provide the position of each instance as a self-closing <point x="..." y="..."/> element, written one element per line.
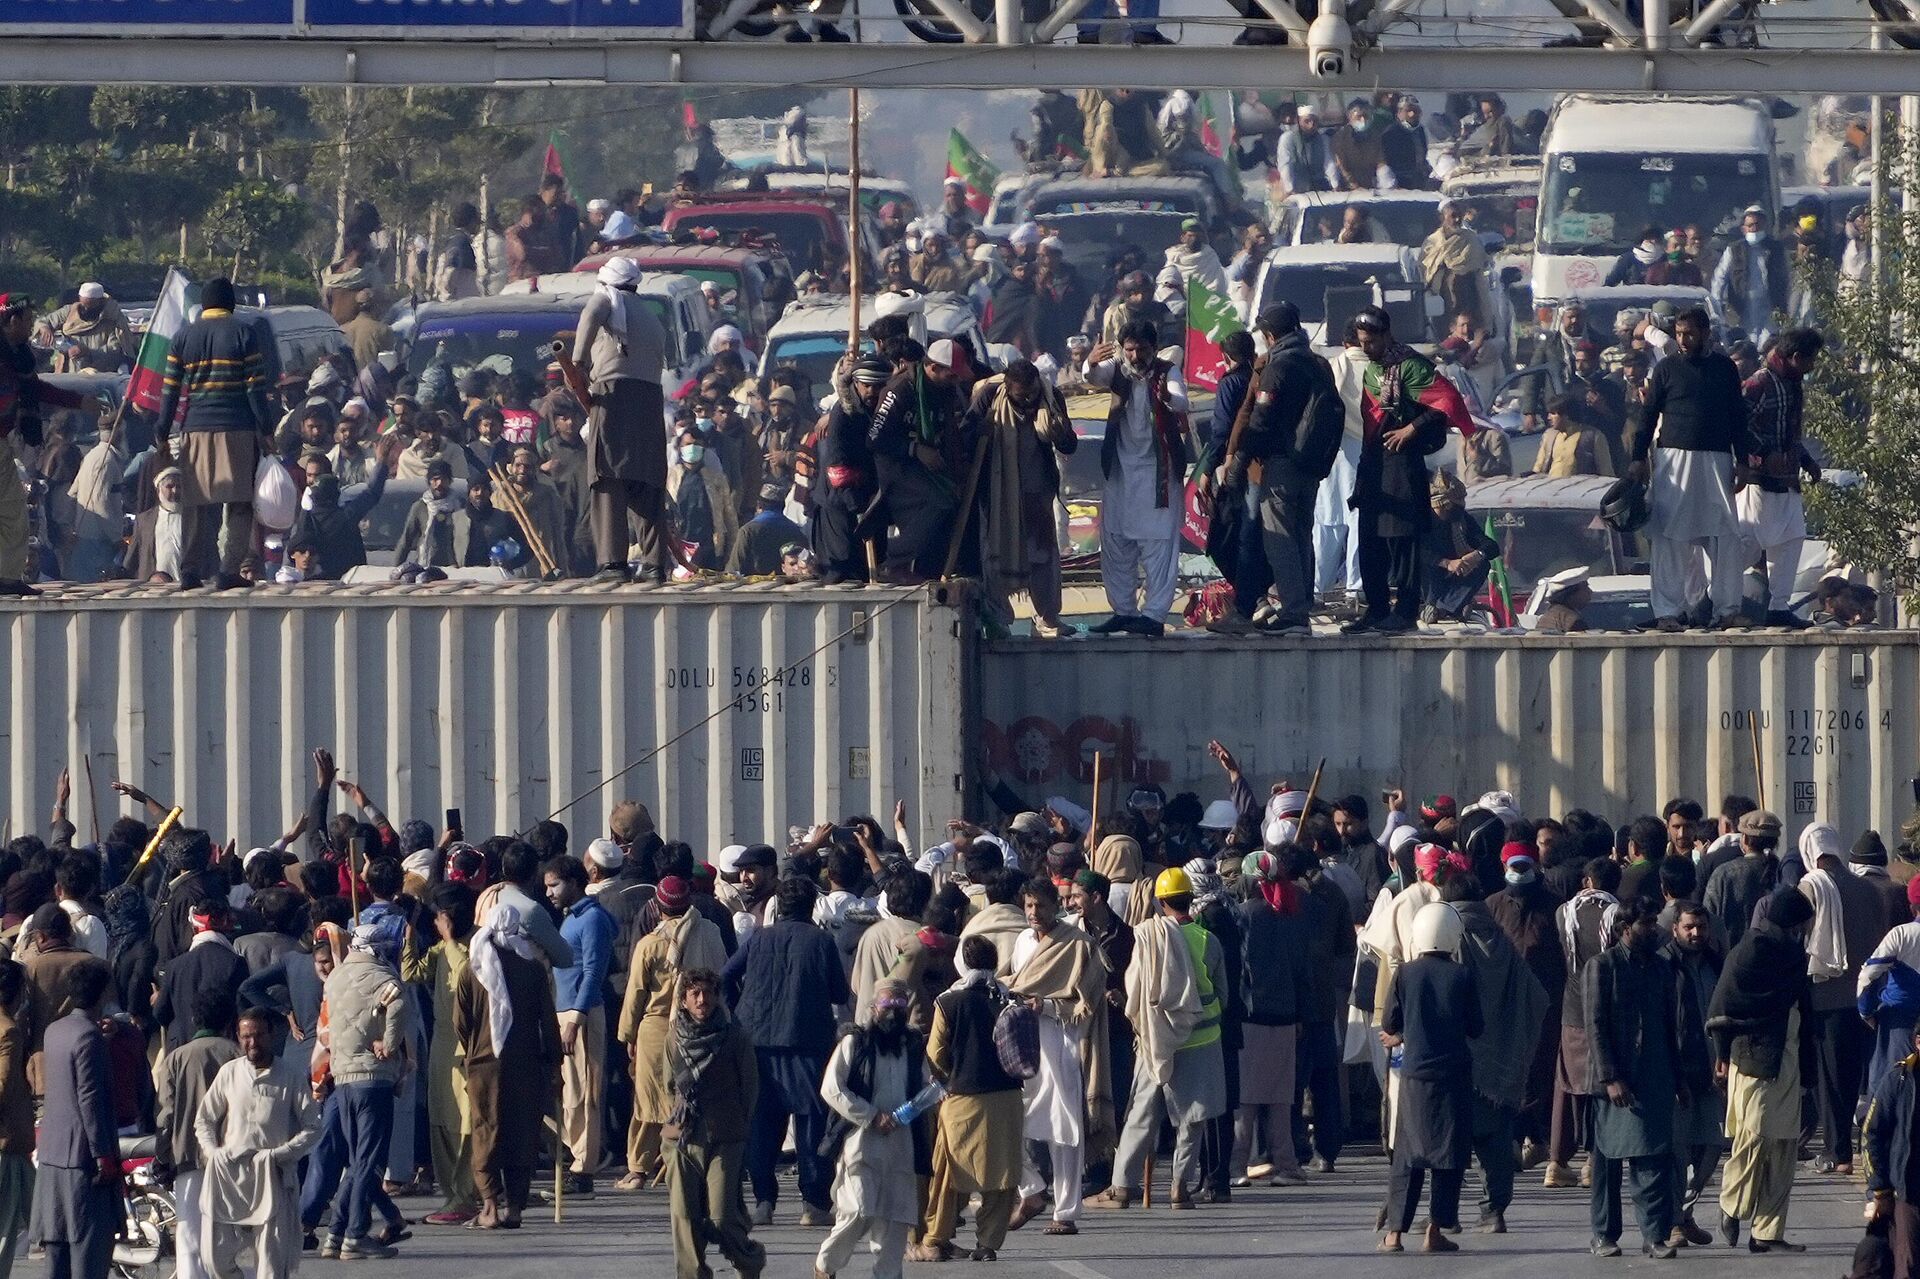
<point x="1863" y="402"/>
<point x="252" y="215"/>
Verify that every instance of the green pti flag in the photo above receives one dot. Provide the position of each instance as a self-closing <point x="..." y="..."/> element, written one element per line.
<point x="1210" y="317"/>
<point x="148" y="382"/>
<point x="972" y="168"/>
<point x="1498" y="578"/>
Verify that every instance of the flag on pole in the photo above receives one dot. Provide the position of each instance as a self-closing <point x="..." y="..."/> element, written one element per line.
<point x="1210" y="318"/>
<point x="1499" y="593"/>
<point x="972" y="168"/>
<point x="553" y="161"/>
<point x="688" y="116"/>
<point x="1216" y="124"/>
<point x="177" y="293"/>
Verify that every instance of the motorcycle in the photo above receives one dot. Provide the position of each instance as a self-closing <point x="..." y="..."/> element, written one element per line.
<point x="144" y="1248"/>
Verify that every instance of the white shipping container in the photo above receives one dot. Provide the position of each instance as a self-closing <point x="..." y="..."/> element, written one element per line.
<point x="1617" y="724"/>
<point x="504" y="703"/>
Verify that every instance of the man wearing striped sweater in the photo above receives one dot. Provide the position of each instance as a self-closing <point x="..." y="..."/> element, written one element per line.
<point x="217" y="365"/>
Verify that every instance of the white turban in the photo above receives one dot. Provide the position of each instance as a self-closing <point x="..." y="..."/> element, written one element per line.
<point x="617" y="277"/>
<point x="725" y="333"/>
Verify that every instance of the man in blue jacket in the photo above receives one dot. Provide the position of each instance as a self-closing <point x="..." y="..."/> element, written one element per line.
<point x="76" y="1195"/>
<point x="579" y="996"/>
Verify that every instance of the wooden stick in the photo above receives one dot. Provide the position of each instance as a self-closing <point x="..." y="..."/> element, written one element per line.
<point x="559" y="1174"/>
<point x="353" y="884"/>
<point x="1146" y="1182"/>
<point x="93" y="798"/>
<point x="1093" y="822"/>
<point x="517" y="509"/>
<point x="160" y="832"/>
<point x="1759" y="772"/>
<point x="966" y="506"/>
<point x="1313" y="788"/>
<point x="853" y="222"/>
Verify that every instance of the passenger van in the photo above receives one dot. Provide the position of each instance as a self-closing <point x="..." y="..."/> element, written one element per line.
<point x="1612" y="165"/>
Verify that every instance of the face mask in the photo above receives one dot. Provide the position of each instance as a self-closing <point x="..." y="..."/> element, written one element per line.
<point x="1675" y="255"/>
<point x="692" y="453"/>
<point x="703" y="424"/>
<point x="1754" y="237"/>
<point x="1361" y="125"/>
<point x="1518" y="877"/>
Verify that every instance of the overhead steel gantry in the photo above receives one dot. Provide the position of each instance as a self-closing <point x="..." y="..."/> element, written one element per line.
<point x="996" y="46"/>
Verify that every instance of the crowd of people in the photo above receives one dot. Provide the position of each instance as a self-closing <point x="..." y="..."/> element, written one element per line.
<point x="1008" y="1024"/>
<point x="921" y="460"/>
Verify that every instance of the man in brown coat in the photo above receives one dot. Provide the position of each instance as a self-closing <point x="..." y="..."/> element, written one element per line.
<point x="50" y="966"/>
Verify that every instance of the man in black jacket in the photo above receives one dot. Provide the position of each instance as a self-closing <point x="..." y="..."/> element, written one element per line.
<point x="1633" y="1064"/>
<point x="845" y="485"/>
<point x="1699" y="1125"/>
<point x="1403" y="423"/>
<point x="1704" y="441"/>
<point x="1290" y="382"/>
<point x="210" y="965"/>
<point x="790" y="978"/>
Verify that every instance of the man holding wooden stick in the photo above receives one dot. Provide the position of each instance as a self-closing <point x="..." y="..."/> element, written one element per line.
<point x="624" y="348"/>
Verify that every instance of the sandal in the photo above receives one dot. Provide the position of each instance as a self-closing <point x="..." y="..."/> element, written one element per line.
<point x="931" y="1252"/>
<point x="1061" y="1228"/>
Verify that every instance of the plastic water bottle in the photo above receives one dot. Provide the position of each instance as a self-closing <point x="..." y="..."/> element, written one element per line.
<point x="920" y="1103"/>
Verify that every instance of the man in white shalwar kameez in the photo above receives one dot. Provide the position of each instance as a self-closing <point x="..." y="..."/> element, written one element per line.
<point x="873" y="1071"/>
<point x="1144" y="458"/>
<point x="255" y="1124"/>
<point x="1336" y="544"/>
<point x="1059" y="972"/>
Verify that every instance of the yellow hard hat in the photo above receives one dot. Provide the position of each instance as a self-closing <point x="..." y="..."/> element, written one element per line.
<point x="1172" y="883"/>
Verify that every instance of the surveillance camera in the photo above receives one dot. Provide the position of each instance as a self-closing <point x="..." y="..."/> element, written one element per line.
<point x="1329" y="45"/>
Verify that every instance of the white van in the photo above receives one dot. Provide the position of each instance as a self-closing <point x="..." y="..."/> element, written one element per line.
<point x="1612" y="165"/>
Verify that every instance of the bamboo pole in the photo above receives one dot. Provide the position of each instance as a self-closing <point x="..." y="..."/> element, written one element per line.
<point x="965" y="517"/>
<point x="1759" y="771"/>
<point x="93" y="799"/>
<point x="853" y="222"/>
<point x="1313" y="788"/>
<point x="517" y="509"/>
<point x="160" y="832"/>
<point x="1093" y="822"/>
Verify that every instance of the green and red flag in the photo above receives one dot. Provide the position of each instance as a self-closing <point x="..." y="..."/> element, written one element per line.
<point x="1216" y="123"/>
<point x="147" y="384"/>
<point x="1210" y="318"/>
<point x="1499" y="592"/>
<point x="552" y="160"/>
<point x="972" y="168"/>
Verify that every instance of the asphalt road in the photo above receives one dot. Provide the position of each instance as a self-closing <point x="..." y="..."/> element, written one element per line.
<point x="1308" y="1232"/>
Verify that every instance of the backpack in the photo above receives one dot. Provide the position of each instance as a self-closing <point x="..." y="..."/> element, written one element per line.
<point x="1322" y="427"/>
<point x="1016" y="1039"/>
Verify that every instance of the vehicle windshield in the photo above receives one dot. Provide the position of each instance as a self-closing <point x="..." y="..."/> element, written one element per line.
<point x="1503" y="211"/>
<point x="1092" y="237"/>
<point x="814" y="356"/>
<point x="1536" y="543"/>
<point x="1407" y="222"/>
<point x="800" y="235"/>
<point x="1596" y="204"/>
<point x="1306" y="286"/>
<point x="505" y="343"/>
<point x="381" y="528"/>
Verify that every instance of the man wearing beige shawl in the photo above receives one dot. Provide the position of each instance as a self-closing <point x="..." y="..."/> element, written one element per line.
<point x="1069" y="1102"/>
<point x="1454" y="265"/>
<point x="890" y="950"/>
<point x="1002" y="921"/>
<point x="1118" y="859"/>
<point x="1025" y="425"/>
<point x="684" y="940"/>
<point x="254" y="1125"/>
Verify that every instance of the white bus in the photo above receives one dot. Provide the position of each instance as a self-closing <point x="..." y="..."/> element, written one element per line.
<point x="1610" y="166"/>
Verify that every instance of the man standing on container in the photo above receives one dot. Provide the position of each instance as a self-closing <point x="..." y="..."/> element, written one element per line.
<point x="1691" y="474"/>
<point x="1144" y="459"/>
<point x="217" y="365"/>
<point x="623" y="347"/>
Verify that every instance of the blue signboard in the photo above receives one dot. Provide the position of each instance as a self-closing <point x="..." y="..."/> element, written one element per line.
<point x="390" y="19"/>
<point x="147" y="17"/>
<point x="530" y="18"/>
